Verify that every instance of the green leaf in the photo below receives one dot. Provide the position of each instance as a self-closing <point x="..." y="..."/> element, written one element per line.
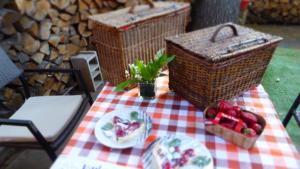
<point x="121" y="86"/>
<point x="107" y="126"/>
<point x="134" y="115"/>
<point x="201" y="161"/>
<point x="175" y="142"/>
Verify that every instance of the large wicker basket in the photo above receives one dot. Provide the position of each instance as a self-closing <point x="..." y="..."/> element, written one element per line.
<point x="122" y="37"/>
<point x="219" y="62"/>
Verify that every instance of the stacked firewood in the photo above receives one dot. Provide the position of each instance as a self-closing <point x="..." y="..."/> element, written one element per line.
<point x="45" y="34"/>
<point x="274" y="11"/>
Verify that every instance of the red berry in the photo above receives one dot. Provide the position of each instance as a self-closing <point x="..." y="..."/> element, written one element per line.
<point x="249" y="132"/>
<point x="120" y="133"/>
<point x="116" y="120"/>
<point x="177" y="149"/>
<point x="134" y="125"/>
<point x="248" y="118"/>
<point x="231" y="112"/>
<point x="244" y="125"/>
<point x="211" y="113"/>
<point x="189" y="152"/>
<point x="167" y="165"/>
<point x="257" y="127"/>
<point x="182" y="161"/>
<point x="224" y="106"/>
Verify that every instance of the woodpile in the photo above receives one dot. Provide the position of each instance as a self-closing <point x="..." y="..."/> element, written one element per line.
<point x="274" y="11"/>
<point x="46" y="33"/>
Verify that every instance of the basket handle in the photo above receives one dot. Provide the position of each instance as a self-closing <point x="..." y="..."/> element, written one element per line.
<point x="149" y="2"/>
<point x="233" y="28"/>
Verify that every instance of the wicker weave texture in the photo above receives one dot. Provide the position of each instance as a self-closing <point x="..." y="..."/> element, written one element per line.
<point x="117" y="49"/>
<point x="204" y="83"/>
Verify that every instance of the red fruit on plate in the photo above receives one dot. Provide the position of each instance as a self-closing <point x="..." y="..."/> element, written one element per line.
<point x="257" y="127"/>
<point x="248" y="118"/>
<point x="211" y="113"/>
<point x="249" y="132"/>
<point x="231" y="112"/>
<point x="167" y="165"/>
<point x="224" y="106"/>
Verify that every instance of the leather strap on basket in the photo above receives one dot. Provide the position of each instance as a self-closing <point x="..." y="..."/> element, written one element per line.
<point x="233" y="28"/>
<point x="135" y="2"/>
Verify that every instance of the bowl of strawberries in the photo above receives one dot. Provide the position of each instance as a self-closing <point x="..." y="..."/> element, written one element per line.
<point x="234" y="124"/>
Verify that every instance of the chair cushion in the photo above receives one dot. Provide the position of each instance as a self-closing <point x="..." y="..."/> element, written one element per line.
<point x="50" y="114"/>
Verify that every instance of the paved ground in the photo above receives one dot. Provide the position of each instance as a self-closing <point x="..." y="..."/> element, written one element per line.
<point x="37" y="159"/>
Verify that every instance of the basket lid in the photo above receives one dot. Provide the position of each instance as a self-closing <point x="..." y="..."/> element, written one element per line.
<point x="222" y="42"/>
<point x="123" y="18"/>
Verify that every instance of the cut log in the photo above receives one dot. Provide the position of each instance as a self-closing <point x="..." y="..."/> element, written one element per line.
<point x="60" y="4"/>
<point x="99" y="3"/>
<point x="23" y="57"/>
<point x="45" y="48"/>
<point x="30" y="44"/>
<point x="83" y="30"/>
<point x="26" y="22"/>
<point x="55" y="30"/>
<point x="75" y="39"/>
<point x="65" y="17"/>
<point x="41" y="78"/>
<point x="53" y="13"/>
<point x="8" y="29"/>
<point x="53" y="54"/>
<point x="71" y="9"/>
<point x="72" y="49"/>
<point x="42" y="9"/>
<point x="34" y="30"/>
<point x="83" y="42"/>
<point x="82" y="6"/>
<point x="38" y="57"/>
<point x="26" y="6"/>
<point x="54" y="40"/>
<point x="45" y="29"/>
<point x="8" y="17"/>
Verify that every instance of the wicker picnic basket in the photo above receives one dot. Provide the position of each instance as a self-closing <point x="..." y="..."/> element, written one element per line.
<point x="122" y="37"/>
<point x="218" y="62"/>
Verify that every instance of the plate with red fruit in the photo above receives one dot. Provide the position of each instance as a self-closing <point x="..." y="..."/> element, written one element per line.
<point x="234" y="124"/>
<point x="123" y="128"/>
<point x="177" y="151"/>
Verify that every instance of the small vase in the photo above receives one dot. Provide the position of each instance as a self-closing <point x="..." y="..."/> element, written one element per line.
<point x="147" y="90"/>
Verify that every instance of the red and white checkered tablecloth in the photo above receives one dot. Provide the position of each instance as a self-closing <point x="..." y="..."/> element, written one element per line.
<point x="173" y="114"/>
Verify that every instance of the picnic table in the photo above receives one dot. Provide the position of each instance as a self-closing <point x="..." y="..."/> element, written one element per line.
<point x="171" y="113"/>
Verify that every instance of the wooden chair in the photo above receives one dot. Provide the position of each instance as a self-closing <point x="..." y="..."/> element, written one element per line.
<point x="293" y="113"/>
<point x="42" y="121"/>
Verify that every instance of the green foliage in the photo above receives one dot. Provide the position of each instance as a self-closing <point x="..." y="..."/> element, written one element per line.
<point x="146" y="73"/>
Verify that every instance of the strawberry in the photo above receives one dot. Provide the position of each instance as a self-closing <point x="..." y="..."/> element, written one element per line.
<point x="211" y="113"/>
<point x="237" y="110"/>
<point x="257" y="127"/>
<point x="248" y="118"/>
<point x="231" y="112"/>
<point x="249" y="132"/>
<point x="229" y="125"/>
<point x="224" y="106"/>
<point x="244" y="125"/>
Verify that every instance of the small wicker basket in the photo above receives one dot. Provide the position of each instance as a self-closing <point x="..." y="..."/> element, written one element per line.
<point x="121" y="37"/>
<point x="232" y="136"/>
<point x="219" y="62"/>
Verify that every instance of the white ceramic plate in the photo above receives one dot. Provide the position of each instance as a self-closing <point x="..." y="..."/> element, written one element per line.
<point x="187" y="142"/>
<point x="125" y="114"/>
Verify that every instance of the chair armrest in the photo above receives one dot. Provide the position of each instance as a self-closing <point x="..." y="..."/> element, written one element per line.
<point x="33" y="129"/>
<point x="75" y="72"/>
